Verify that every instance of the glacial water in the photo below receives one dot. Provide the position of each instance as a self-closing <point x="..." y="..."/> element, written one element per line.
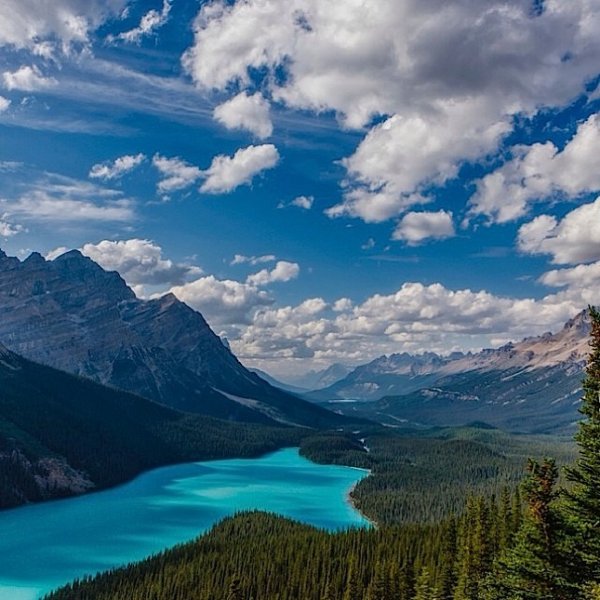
<point x="45" y="545"/>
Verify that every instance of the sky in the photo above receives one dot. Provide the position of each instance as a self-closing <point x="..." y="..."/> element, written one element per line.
<point x="325" y="181"/>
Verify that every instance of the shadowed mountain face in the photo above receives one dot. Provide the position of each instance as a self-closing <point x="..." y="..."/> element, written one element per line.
<point x="532" y="385"/>
<point x="73" y="315"/>
<point x="62" y="435"/>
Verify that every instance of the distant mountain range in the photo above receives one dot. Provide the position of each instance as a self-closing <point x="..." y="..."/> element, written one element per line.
<point x="313" y="380"/>
<point x="533" y="385"/>
<point x="71" y="314"/>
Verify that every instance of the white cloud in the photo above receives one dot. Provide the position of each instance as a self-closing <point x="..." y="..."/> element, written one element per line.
<point x="448" y="94"/>
<point x="40" y="206"/>
<point x="149" y="23"/>
<point x="177" y="174"/>
<point x="585" y="276"/>
<point x="574" y="239"/>
<point x="416" y="227"/>
<point x="374" y="206"/>
<point x="27" y="79"/>
<point x="240" y="259"/>
<point x="246" y="112"/>
<point x="541" y="171"/>
<point x="139" y="262"/>
<point x="227" y="173"/>
<point x="27" y="23"/>
<point x="56" y="252"/>
<point x="403" y="154"/>
<point x="8" y="229"/>
<point x="63" y="199"/>
<point x="4" y="104"/>
<point x="223" y="302"/>
<point x="305" y="202"/>
<point x="283" y="271"/>
<point x="117" y="168"/>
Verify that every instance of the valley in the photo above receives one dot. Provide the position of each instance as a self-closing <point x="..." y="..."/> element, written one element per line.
<point x="118" y="412"/>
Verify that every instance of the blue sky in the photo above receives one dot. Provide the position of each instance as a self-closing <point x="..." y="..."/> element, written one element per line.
<point x="391" y="176"/>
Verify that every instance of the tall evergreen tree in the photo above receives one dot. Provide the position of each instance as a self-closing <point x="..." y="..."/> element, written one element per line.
<point x="235" y="589"/>
<point x="536" y="567"/>
<point x="351" y="592"/>
<point x="583" y="499"/>
<point x="424" y="587"/>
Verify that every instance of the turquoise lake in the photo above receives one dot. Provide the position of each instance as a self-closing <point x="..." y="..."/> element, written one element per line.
<point x="45" y="545"/>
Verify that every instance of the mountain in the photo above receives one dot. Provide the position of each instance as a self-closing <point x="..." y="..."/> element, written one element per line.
<point x="532" y="385"/>
<point x="62" y="435"/>
<point x="316" y="380"/>
<point x="71" y="314"/>
<point x="278" y="384"/>
<point x="394" y="374"/>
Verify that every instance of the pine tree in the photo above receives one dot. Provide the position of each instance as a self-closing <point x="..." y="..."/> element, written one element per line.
<point x="351" y="591"/>
<point x="583" y="500"/>
<point x="424" y="588"/>
<point x="235" y="589"/>
<point x="475" y="550"/>
<point x="380" y="587"/>
<point x="535" y="568"/>
<point x="448" y="560"/>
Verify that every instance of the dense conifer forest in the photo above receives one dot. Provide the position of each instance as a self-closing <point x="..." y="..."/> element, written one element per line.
<point x="538" y="542"/>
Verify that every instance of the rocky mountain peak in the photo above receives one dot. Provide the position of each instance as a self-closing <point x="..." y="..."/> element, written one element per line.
<point x="580" y="322"/>
<point x="71" y="314"/>
<point x="7" y="262"/>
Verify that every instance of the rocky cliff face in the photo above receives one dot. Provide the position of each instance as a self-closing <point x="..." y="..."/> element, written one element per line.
<point x="73" y="315"/>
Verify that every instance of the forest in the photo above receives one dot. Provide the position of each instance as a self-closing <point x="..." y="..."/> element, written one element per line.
<point x="539" y="541"/>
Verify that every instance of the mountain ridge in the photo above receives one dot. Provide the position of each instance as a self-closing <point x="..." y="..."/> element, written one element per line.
<point x="529" y="386"/>
<point x="71" y="314"/>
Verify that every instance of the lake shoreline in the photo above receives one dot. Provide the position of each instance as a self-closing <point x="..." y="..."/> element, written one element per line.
<point x="45" y="546"/>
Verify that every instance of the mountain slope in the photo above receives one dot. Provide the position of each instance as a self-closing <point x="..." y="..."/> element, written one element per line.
<point x="532" y="385"/>
<point x="63" y="435"/>
<point x="73" y="315"/>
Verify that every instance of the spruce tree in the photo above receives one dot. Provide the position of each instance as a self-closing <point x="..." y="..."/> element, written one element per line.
<point x="583" y="499"/>
<point x="536" y="567"/>
<point x="351" y="591"/>
<point x="235" y="589"/>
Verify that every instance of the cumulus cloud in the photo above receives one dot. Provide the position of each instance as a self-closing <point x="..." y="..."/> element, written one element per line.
<point x="176" y="173"/>
<point x="246" y="112"/>
<point x="415" y="318"/>
<point x="140" y="262"/>
<point x="224" y="302"/>
<point x="27" y="79"/>
<point x="25" y="24"/>
<point x="305" y="202"/>
<point x="541" y="171"/>
<point x="149" y="24"/>
<point x="4" y="104"/>
<point x="117" y="168"/>
<point x="581" y="276"/>
<point x="228" y="172"/>
<point x="240" y="259"/>
<point x="283" y="271"/>
<point x="448" y="95"/>
<point x="573" y="239"/>
<point x="416" y="227"/>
